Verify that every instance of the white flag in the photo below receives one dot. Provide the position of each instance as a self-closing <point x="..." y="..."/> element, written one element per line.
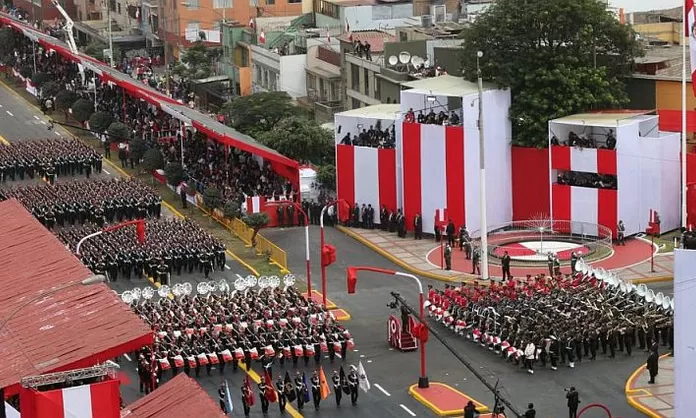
<point x="362" y="378"/>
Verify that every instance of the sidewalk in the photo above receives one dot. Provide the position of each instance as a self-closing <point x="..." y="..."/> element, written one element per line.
<point x="656" y="400"/>
<point x="422" y="257"/>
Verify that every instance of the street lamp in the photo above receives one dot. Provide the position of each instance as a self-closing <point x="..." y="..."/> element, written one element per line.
<point x="482" y="174"/>
<point x="352" y="279"/>
<point x="344" y="203"/>
<point x="91" y="280"/>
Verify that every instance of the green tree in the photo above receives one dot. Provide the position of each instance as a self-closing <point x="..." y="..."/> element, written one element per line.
<point x="82" y="109"/>
<point x="558" y="57"/>
<point x="212" y="198"/>
<point x="65" y="99"/>
<point x="326" y="177"/>
<point x="50" y="89"/>
<point x="39" y="79"/>
<point x="137" y="149"/>
<point x="256" y="221"/>
<point x="300" y="139"/>
<point x="96" y="50"/>
<point x="7" y="44"/>
<point x="100" y="121"/>
<point x="119" y="132"/>
<point x="231" y="209"/>
<point x="260" y="112"/>
<point x="174" y="173"/>
<point x="153" y="160"/>
<point x="197" y="62"/>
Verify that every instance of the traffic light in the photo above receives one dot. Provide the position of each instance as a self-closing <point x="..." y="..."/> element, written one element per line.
<point x="328" y="255"/>
<point x="352" y="279"/>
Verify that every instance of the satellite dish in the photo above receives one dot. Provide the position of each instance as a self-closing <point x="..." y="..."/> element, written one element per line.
<point x="404" y="57"/>
<point x="416" y="61"/>
<point x="393" y="60"/>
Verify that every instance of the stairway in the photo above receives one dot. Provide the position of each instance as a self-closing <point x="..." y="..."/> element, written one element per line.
<point x="408" y="343"/>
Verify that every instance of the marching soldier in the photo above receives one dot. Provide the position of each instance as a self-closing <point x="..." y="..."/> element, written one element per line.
<point x="476" y="262"/>
<point x="280" y="390"/>
<point x="300" y="389"/>
<point x="338" y="393"/>
<point x="222" y="393"/>
<point x="316" y="390"/>
<point x="247" y="398"/>
<point x="262" y="395"/>
<point x="353" y="383"/>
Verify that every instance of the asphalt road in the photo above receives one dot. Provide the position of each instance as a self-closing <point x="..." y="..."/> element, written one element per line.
<point x="600" y="381"/>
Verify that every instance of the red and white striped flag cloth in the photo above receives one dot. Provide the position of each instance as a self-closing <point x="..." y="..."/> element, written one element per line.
<point x="99" y="400"/>
<point x="262" y="38"/>
<point x="690" y="27"/>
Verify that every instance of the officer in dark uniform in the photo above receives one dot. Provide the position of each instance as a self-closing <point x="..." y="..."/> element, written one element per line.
<point x="448" y="257"/>
<point x="353" y="384"/>
<point x="300" y="389"/>
<point x="162" y="275"/>
<point x="476" y="262"/>
<point x="316" y="390"/>
<point x="280" y="211"/>
<point x="262" y="395"/>
<point x="505" y="262"/>
<point x="280" y="391"/>
<point x="290" y="211"/>
<point x="338" y="392"/>
<point x="450" y="230"/>
<point x="418" y="226"/>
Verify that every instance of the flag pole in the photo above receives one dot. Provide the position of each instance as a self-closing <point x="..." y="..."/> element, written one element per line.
<point x="685" y="39"/>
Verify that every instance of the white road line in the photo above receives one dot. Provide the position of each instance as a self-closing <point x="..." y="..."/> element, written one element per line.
<point x="381" y="389"/>
<point x="57" y="133"/>
<point x="106" y="171"/>
<point x="44" y="122"/>
<point x="127" y="357"/>
<point x="9" y="113"/>
<point x="36" y="117"/>
<point x="227" y="267"/>
<point x="411" y="413"/>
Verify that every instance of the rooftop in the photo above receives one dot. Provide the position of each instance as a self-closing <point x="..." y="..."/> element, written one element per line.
<point x="670" y="57"/>
<point x="445" y="85"/>
<point x="380" y="111"/>
<point x="57" y="325"/>
<point x="180" y="397"/>
<point x="375" y="38"/>
<point x="606" y="119"/>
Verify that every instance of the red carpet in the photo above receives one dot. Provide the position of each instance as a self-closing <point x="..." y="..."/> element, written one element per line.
<point x="444" y="399"/>
<point x="515" y="250"/>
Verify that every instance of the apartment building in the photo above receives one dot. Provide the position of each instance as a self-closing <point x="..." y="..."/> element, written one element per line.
<point x="126" y="17"/>
<point x="325" y="89"/>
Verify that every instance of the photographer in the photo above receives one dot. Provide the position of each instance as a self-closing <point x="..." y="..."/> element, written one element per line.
<point x="470" y="410"/>
<point x="573" y="401"/>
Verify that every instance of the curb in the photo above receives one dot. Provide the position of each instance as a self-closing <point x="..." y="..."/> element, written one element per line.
<point x="660" y="279"/>
<point x="631" y="394"/>
<point x="442" y="413"/>
<point x="400" y="263"/>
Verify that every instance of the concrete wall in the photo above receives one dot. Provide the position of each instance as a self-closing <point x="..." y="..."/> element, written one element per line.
<point x="292" y="75"/>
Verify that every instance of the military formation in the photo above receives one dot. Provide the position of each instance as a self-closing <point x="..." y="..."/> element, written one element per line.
<point x="172" y="246"/>
<point x="47" y="159"/>
<point x="556" y="320"/>
<point x="104" y="201"/>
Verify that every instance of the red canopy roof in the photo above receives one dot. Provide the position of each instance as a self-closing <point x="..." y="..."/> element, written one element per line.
<point x="54" y="327"/>
<point x="180" y="397"/>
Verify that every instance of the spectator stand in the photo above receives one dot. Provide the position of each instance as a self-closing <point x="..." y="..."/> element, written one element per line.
<point x="438" y="152"/>
<point x="607" y="167"/>
<point x="366" y="156"/>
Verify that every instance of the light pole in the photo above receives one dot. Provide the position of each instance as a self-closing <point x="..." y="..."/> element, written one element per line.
<point x="322" y="243"/>
<point x="140" y="230"/>
<point x="306" y="219"/>
<point x="91" y="280"/>
<point x="352" y="277"/>
<point x="111" y="38"/>
<point x="482" y="174"/>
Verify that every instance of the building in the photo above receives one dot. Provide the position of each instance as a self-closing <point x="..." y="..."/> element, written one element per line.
<point x="44" y="10"/>
<point x="93" y="17"/>
<point x="236" y="57"/>
<point x="325" y="89"/>
<point x="362" y="15"/>
<point x="181" y="22"/>
<point x="359" y="72"/>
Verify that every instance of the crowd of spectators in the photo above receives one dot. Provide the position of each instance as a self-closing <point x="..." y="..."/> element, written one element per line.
<point x="374" y="137"/>
<point x="582" y="179"/>
<point x="432" y="118"/>
<point x="587" y="140"/>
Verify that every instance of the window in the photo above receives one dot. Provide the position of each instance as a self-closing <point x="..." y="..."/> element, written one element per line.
<point x="112" y="5"/>
<point x="192" y="4"/>
<point x="354" y="103"/>
<point x="294" y="1"/>
<point x="366" y="81"/>
<point x="335" y="92"/>
<point x="119" y="8"/>
<point x="377" y="89"/>
<point x="354" y="77"/>
<point x="270" y="2"/>
<point x="223" y="4"/>
<point x="311" y="81"/>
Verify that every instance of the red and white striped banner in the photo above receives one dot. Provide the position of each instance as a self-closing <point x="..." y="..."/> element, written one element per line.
<point x="98" y="400"/>
<point x="255" y="204"/>
<point x="357" y="170"/>
<point x="586" y="207"/>
<point x="587" y="160"/>
<point x="434" y="164"/>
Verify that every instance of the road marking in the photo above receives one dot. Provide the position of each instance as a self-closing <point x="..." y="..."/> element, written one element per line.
<point x="43" y="122"/>
<point x="9" y="113"/>
<point x="227" y="267"/>
<point x="57" y="133"/>
<point x="411" y="413"/>
<point x="36" y="117"/>
<point x="381" y="389"/>
<point x="127" y="357"/>
<point x="106" y="171"/>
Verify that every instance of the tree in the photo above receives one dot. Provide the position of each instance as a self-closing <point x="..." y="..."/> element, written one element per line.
<point x="7" y="44"/>
<point x="231" y="209"/>
<point x="82" y="109"/>
<point x="96" y="50"/>
<point x="39" y="79"/>
<point x="197" y="62"/>
<point x="326" y="177"/>
<point x="153" y="160"/>
<point x="137" y="149"/>
<point x="558" y="57"/>
<point x="256" y="221"/>
<point x="50" y="89"/>
<point x="300" y="139"/>
<point x="120" y="132"/>
<point x="65" y="99"/>
<point x="259" y="112"/>
<point x="100" y="121"/>
<point x="212" y="198"/>
<point x="174" y="173"/>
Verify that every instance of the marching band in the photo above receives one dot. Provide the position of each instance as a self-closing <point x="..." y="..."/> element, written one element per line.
<point x="557" y="320"/>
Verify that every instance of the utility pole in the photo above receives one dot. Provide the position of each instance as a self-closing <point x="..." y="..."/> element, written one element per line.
<point x="165" y="48"/>
<point x="111" y="39"/>
<point x="482" y="174"/>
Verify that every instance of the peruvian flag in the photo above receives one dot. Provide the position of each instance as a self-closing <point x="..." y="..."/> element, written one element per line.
<point x="689" y="8"/>
<point x="251" y="23"/>
<point x="255" y="204"/>
<point x="358" y="168"/>
<point x="98" y="400"/>
<point x="262" y="37"/>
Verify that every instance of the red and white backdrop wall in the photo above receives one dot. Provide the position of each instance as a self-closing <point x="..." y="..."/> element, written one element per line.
<point x="645" y="163"/>
<point x="439" y="165"/>
<point x="366" y="175"/>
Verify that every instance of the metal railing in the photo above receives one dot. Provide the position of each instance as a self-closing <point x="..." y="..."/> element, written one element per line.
<point x="263" y="245"/>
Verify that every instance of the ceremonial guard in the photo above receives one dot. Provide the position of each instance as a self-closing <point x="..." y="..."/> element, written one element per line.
<point x="353" y="384"/>
<point x="316" y="390"/>
<point x="505" y="263"/>
<point x="263" y="396"/>
<point x="465" y="242"/>
<point x="450" y="230"/>
<point x="222" y="393"/>
<point x="448" y="257"/>
<point x="280" y="390"/>
<point x="247" y="398"/>
<point x="338" y="393"/>
<point x="300" y="389"/>
<point x="476" y="262"/>
<point x="620" y="231"/>
<point x="418" y="226"/>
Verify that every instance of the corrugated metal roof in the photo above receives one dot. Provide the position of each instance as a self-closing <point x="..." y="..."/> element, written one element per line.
<point x="375" y="38"/>
<point x="55" y="325"/>
<point x="181" y="397"/>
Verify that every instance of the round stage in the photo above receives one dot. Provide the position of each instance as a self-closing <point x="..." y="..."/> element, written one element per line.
<point x="539" y="250"/>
